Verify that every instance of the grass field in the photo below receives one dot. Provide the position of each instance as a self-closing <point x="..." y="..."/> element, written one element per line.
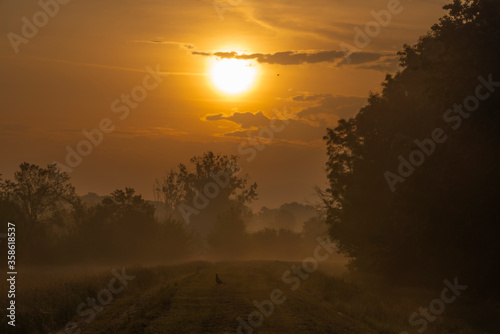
<point x="184" y="298"/>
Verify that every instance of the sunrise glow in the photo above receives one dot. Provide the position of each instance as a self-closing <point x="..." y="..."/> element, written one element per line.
<point x="233" y="76"/>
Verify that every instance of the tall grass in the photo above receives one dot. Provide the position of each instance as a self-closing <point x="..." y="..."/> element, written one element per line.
<point x="387" y="309"/>
<point x="47" y="298"/>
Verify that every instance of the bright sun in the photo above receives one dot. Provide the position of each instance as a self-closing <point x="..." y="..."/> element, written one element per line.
<point x="233" y="76"/>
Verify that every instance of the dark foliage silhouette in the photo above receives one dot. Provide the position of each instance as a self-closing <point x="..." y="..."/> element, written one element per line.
<point x="442" y="220"/>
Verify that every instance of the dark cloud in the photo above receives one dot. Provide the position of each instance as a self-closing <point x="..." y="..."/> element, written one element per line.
<point x="387" y="64"/>
<point x="283" y="58"/>
<point x="294" y="130"/>
<point x="360" y="58"/>
<point x="296" y="57"/>
<point x="308" y="98"/>
<point x="246" y="119"/>
<point x="214" y="117"/>
<point x="241" y="134"/>
<point x="309" y="124"/>
<point x="341" y="106"/>
<point x="198" y="53"/>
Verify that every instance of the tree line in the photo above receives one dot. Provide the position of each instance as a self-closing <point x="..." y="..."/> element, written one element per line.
<point x="56" y="226"/>
<point x="414" y="177"/>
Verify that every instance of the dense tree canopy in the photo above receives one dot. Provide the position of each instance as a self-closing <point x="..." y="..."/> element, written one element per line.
<point x="426" y="215"/>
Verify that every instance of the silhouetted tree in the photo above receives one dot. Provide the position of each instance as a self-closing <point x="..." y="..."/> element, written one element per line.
<point x="228" y="237"/>
<point x="39" y="192"/>
<point x="129" y="221"/>
<point x="197" y="196"/>
<point x="441" y="220"/>
<point x="38" y="200"/>
<point x="173" y="241"/>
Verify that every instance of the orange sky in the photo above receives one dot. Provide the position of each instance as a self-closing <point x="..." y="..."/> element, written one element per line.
<point x="64" y="79"/>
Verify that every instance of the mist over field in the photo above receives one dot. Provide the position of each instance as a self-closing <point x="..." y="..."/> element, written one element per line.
<point x="250" y="166"/>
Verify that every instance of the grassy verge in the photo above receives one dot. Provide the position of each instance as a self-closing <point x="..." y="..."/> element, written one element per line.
<point x="387" y="310"/>
<point x="47" y="299"/>
<point x="185" y="299"/>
